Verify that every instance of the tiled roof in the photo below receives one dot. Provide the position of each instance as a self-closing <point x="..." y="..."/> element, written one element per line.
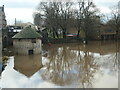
<point x="27" y="33"/>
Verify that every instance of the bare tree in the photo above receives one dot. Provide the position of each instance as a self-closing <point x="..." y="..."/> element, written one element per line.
<point x="37" y="19"/>
<point x="52" y="18"/>
<point x="65" y="15"/>
<point x="86" y="15"/>
<point x="62" y="16"/>
<point x="114" y="22"/>
<point x="57" y="15"/>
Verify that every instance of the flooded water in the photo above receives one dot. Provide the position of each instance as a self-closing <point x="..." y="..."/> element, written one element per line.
<point x="71" y="65"/>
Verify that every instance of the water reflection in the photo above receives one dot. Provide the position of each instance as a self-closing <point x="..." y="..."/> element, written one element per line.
<point x="66" y="65"/>
<point x="77" y="63"/>
<point x="27" y="65"/>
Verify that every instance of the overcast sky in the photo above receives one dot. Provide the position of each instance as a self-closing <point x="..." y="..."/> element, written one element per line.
<point x="23" y="10"/>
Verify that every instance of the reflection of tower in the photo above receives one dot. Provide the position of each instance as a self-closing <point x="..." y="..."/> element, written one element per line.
<point x="27" y="65"/>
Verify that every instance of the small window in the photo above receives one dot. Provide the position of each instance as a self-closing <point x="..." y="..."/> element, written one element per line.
<point x="33" y="40"/>
<point x="30" y="52"/>
<point x="19" y="39"/>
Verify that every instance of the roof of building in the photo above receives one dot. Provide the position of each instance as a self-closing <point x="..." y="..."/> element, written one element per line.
<point x="2" y="8"/>
<point x="27" y="33"/>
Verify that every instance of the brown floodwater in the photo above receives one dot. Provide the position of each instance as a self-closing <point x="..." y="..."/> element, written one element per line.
<point x="71" y="65"/>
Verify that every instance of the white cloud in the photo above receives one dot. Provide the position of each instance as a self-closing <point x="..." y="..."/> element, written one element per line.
<point x="22" y="14"/>
<point x="20" y="9"/>
<point x="106" y="1"/>
<point x="23" y="9"/>
<point x="19" y="1"/>
<point x="104" y="10"/>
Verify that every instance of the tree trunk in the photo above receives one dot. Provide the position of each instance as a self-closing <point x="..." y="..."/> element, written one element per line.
<point x="53" y="34"/>
<point x="86" y="38"/>
<point x="64" y="34"/>
<point x="117" y="35"/>
<point x="78" y="34"/>
<point x="57" y="34"/>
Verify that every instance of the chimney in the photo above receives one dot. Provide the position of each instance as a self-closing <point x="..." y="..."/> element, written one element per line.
<point x="3" y="8"/>
<point x="15" y="22"/>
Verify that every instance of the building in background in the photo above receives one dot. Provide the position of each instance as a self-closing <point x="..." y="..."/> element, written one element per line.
<point x="2" y="18"/>
<point x="3" y="24"/>
<point x="2" y="27"/>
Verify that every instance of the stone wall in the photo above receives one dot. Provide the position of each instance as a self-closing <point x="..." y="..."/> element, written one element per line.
<point x="2" y="18"/>
<point x="22" y="46"/>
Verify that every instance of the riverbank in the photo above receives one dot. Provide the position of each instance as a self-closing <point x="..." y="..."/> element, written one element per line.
<point x="72" y="40"/>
